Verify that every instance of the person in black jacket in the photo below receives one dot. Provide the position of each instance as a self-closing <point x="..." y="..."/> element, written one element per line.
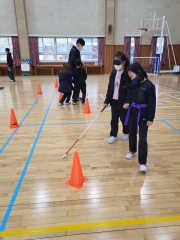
<point x="75" y="54"/>
<point x="65" y="84"/>
<point x="10" y="65"/>
<point x="79" y="76"/>
<point x="117" y="95"/>
<point x="141" y="112"/>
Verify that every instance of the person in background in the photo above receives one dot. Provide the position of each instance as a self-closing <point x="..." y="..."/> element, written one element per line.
<point x="10" y="65"/>
<point x="141" y="112"/>
<point x="65" y="84"/>
<point x="75" y="54"/>
<point x="79" y="76"/>
<point x="117" y="95"/>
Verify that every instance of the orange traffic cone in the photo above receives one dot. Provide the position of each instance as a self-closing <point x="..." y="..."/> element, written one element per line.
<point x="39" y="90"/>
<point x="56" y="84"/>
<point x="87" y="107"/>
<point x="60" y="96"/>
<point x="77" y="179"/>
<point x="13" y="120"/>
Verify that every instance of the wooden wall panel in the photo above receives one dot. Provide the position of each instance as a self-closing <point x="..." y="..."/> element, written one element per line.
<point x="108" y="58"/>
<point x="145" y="52"/>
<point x="110" y="50"/>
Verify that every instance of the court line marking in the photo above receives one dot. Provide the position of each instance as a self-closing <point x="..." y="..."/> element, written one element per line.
<point x="18" y="186"/>
<point x="171" y="96"/>
<point x="102" y="96"/>
<point x="73" y="123"/>
<point x="171" y="126"/>
<point x="90" y="225"/>
<point x="24" y="118"/>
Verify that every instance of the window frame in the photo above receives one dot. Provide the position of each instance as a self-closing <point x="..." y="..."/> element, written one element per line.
<point x="56" y="53"/>
<point x="9" y="44"/>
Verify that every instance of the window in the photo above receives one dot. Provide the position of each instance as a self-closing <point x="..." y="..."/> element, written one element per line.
<point x="57" y="49"/>
<point x="159" y="50"/>
<point x="131" y="50"/>
<point x="5" y="42"/>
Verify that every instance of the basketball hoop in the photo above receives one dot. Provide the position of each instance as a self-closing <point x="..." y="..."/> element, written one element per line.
<point x="143" y="29"/>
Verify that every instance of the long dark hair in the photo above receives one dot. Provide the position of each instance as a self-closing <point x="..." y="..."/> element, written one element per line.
<point x="138" y="70"/>
<point x="122" y="57"/>
<point x="65" y="68"/>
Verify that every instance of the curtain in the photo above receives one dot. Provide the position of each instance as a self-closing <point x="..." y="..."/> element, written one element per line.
<point x="153" y="49"/>
<point x="164" y="53"/>
<point x="16" y="51"/>
<point x="101" y="48"/>
<point x="136" y="46"/>
<point x="34" y="50"/>
<point x="127" y="46"/>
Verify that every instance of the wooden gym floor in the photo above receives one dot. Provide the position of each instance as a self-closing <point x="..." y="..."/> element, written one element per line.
<point x="118" y="201"/>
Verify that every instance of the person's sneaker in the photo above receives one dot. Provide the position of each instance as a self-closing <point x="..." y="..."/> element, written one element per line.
<point x="125" y="136"/>
<point x="143" y="168"/>
<point x="112" y="139"/>
<point x="60" y="104"/>
<point x="68" y="103"/>
<point x="74" y="103"/>
<point x="12" y="81"/>
<point x="130" y="155"/>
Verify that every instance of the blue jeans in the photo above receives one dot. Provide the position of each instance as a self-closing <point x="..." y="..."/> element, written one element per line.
<point x="10" y="73"/>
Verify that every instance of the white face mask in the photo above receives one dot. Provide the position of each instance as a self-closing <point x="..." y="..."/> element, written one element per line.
<point x="80" y="48"/>
<point x="118" y="67"/>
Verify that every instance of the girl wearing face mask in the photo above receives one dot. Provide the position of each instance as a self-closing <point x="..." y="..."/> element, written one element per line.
<point x="140" y="113"/>
<point x="117" y="95"/>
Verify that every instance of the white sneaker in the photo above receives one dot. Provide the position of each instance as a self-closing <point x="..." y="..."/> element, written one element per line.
<point x="112" y="139"/>
<point x="125" y="136"/>
<point x="60" y="104"/>
<point x="143" y="168"/>
<point x="74" y="103"/>
<point x="68" y="103"/>
<point x="130" y="155"/>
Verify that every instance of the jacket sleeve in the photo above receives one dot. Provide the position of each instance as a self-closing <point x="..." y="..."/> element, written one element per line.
<point x="73" y="57"/>
<point x="85" y="75"/>
<point x="9" y="60"/>
<point x="151" y="91"/>
<point x="129" y="95"/>
<point x="108" y="94"/>
<point x="74" y="77"/>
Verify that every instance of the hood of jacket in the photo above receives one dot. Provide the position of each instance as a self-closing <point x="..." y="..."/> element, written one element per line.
<point x="64" y="76"/>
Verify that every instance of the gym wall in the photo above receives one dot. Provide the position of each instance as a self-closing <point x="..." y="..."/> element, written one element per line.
<point x="65" y="17"/>
<point x="85" y="18"/>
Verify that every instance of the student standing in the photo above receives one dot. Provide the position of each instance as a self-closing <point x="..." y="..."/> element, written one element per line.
<point x="117" y="95"/>
<point x="65" y="84"/>
<point x="141" y="112"/>
<point x="75" y="54"/>
<point x="10" y="65"/>
<point x="79" y="76"/>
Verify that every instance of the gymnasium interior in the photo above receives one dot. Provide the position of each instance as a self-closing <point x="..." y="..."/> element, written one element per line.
<point x="45" y="148"/>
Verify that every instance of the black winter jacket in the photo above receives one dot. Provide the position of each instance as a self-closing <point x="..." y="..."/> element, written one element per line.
<point x="124" y="92"/>
<point x="73" y="55"/>
<point x="144" y="93"/>
<point x="9" y="60"/>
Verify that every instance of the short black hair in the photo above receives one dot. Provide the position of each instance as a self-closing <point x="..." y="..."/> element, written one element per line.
<point x="78" y="62"/>
<point x="138" y="70"/>
<point x="81" y="41"/>
<point x="7" y="49"/>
